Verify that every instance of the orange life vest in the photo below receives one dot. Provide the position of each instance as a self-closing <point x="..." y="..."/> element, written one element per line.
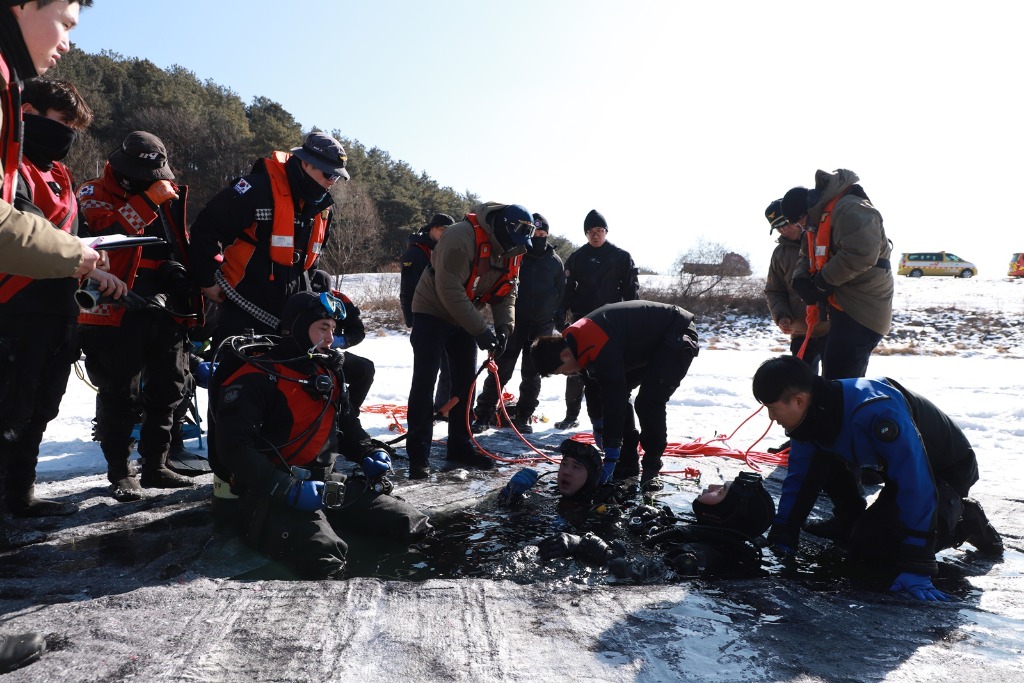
<point x="282" y="232"/>
<point x="312" y="417"/>
<point x="60" y="209"/>
<point x="505" y="284"/>
<point x="819" y="245"/>
<point x="10" y="145"/>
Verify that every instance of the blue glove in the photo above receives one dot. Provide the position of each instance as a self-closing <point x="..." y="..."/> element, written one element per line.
<point x="611" y="456"/>
<point x="204" y="373"/>
<point x="598" y="425"/>
<point x="307" y="496"/>
<point x="377" y="465"/>
<point x="920" y="586"/>
<point x="339" y="342"/>
<point x="521" y="482"/>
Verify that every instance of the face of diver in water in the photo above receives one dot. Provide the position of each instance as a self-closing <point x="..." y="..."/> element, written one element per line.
<point x="572" y="476"/>
<point x="714" y="494"/>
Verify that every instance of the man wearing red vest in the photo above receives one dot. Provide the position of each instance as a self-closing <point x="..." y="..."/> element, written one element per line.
<point x="475" y="265"/>
<point x="272" y="225"/>
<point x="38" y="328"/>
<point x="137" y="353"/>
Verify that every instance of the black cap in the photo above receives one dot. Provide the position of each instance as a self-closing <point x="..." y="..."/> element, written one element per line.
<point x="794" y="204"/>
<point x="747" y="507"/>
<point x="774" y="215"/>
<point x="324" y="152"/>
<point x="142" y="156"/>
<point x="594" y="220"/>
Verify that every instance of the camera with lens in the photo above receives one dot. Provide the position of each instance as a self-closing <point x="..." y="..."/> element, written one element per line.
<point x="89" y="297"/>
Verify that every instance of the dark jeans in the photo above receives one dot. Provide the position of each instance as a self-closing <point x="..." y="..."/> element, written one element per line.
<point x="529" y="387"/>
<point x="848" y="346"/>
<point x="431" y="338"/>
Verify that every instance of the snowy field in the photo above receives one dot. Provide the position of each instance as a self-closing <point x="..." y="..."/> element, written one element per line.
<point x="144" y="621"/>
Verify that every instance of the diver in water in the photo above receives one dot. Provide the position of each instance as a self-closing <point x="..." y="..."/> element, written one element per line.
<point x="726" y="539"/>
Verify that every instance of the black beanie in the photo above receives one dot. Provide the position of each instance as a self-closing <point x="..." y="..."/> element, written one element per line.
<point x="794" y="204"/>
<point x="747" y="507"/>
<point x="439" y="219"/>
<point x="541" y="223"/>
<point x="589" y="458"/>
<point x="301" y="311"/>
<point x="594" y="220"/>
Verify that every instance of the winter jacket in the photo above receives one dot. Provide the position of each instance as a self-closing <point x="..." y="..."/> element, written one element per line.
<point x="111" y="210"/>
<point x="541" y="287"/>
<point x="249" y="201"/>
<point x="858" y="253"/>
<point x="616" y="339"/>
<point x="783" y="302"/>
<point x="595" y="277"/>
<point x="414" y="261"/>
<point x="53" y="190"/>
<point x="28" y="243"/>
<point x="441" y="291"/>
<point x="879" y="425"/>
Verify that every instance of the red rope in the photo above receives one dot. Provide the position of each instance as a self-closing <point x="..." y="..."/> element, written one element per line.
<point x="718" y="446"/>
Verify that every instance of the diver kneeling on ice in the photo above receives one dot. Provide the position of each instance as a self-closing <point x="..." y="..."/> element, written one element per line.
<point x="277" y="415"/>
<point x="725" y="540"/>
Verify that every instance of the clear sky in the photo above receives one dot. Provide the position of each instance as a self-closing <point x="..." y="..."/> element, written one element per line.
<point x="679" y="121"/>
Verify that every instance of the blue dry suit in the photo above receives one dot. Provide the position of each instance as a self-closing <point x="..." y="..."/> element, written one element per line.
<point x="924" y="458"/>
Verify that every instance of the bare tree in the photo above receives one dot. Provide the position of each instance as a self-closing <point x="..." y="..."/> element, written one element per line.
<point x="357" y="239"/>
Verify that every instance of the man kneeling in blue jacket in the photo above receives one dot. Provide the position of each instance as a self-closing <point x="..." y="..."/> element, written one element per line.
<point x="925" y="460"/>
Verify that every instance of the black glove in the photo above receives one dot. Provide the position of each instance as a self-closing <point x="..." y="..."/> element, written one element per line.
<point x="594" y="550"/>
<point x="806" y="290"/>
<point x="823" y="288"/>
<point x="502" y="336"/>
<point x="486" y="341"/>
<point x="559" y="545"/>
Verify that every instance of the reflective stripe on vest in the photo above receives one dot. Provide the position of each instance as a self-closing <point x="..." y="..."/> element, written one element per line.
<point x="282" y="230"/>
<point x="505" y="284"/>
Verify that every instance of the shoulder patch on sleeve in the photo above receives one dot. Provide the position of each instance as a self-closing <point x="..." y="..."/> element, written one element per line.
<point x="886" y="430"/>
<point x="242" y="186"/>
<point x="86" y="190"/>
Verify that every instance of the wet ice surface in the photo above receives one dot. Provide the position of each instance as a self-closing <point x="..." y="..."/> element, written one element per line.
<point x="142" y="591"/>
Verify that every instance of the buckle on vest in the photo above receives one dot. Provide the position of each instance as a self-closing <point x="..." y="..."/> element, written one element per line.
<point x="296" y="257"/>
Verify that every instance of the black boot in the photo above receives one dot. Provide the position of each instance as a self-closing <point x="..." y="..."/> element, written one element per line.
<point x="19" y="483"/>
<point x="25" y="504"/>
<point x="18" y="538"/>
<point x="123" y="486"/>
<point x="19" y="650"/>
<point x="975" y="528"/>
<point x="155" y="474"/>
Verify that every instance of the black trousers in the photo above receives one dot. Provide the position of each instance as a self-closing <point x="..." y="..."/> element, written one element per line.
<point x="848" y="346"/>
<point x="35" y="363"/>
<point x="147" y="342"/>
<point x="814" y="354"/>
<point x="529" y="386"/>
<point x="431" y="338"/>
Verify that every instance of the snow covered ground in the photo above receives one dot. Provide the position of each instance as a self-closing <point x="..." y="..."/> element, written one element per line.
<point x="140" y="613"/>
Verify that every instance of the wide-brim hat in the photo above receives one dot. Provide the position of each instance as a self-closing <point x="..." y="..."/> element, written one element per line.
<point x="324" y="152"/>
